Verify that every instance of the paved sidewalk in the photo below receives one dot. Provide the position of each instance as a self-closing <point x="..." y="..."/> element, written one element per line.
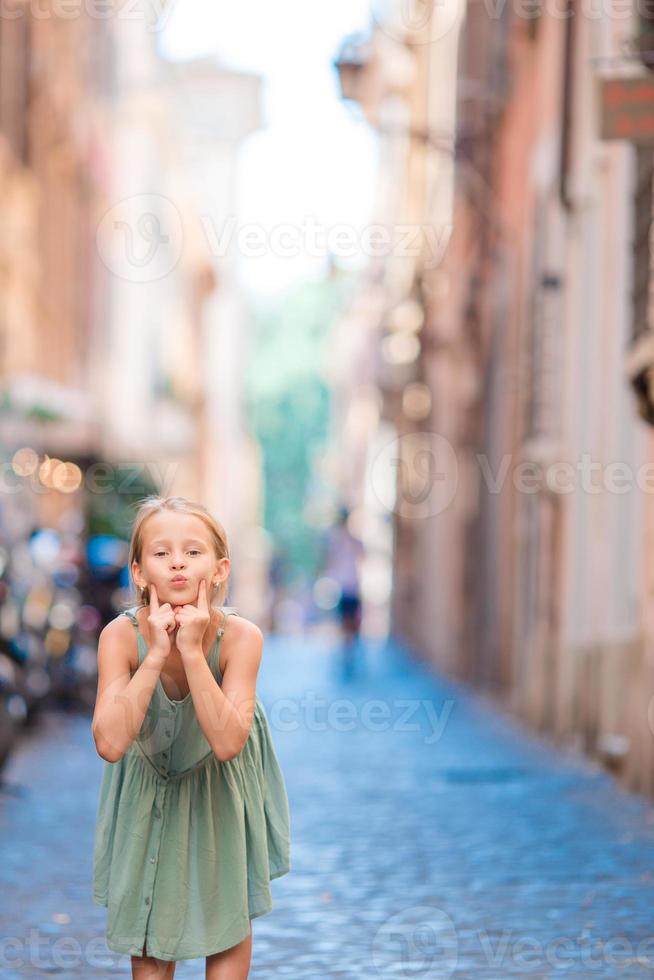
<point x="432" y="838"/>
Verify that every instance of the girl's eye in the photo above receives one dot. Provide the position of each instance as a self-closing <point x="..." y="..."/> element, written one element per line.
<point x="158" y="553"/>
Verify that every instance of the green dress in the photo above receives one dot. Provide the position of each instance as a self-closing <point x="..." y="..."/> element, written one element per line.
<point x="186" y="845"/>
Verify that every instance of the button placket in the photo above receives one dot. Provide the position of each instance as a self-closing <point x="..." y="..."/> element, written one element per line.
<point x="169" y="722"/>
<point x="157" y="815"/>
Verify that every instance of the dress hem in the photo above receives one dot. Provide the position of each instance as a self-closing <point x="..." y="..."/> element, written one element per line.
<point x="178" y="957"/>
<point x="267" y="907"/>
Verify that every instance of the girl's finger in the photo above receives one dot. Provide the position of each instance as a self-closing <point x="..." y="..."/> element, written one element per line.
<point x="154" y="599"/>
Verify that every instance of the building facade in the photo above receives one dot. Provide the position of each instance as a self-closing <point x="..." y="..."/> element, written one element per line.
<point x="520" y="519"/>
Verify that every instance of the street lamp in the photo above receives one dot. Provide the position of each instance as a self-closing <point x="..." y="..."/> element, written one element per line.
<point x="350" y="63"/>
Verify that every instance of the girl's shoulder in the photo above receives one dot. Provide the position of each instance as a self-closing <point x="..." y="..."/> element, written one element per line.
<point x="123" y="621"/>
<point x="120" y="634"/>
<point x="236" y="623"/>
<point x="239" y="635"/>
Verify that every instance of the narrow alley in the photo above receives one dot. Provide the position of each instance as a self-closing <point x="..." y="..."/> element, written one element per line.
<point x="432" y="838"/>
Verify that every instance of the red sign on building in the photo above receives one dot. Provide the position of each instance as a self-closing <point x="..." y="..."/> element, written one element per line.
<point x="627" y="109"/>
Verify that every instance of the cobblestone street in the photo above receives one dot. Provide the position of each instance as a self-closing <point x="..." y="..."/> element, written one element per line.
<point x="432" y="837"/>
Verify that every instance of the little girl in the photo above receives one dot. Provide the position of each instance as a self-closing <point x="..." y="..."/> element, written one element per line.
<point x="193" y="818"/>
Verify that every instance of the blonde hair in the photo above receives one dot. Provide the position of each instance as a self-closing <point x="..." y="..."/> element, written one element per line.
<point x="154" y="504"/>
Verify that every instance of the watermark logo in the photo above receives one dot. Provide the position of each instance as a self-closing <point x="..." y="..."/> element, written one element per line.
<point x="416" y="475"/>
<point x="140" y="239"/>
<point x="417" y="21"/>
<point x="420" y="941"/>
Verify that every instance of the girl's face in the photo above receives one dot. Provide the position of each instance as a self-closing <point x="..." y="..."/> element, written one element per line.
<point x="178" y="546"/>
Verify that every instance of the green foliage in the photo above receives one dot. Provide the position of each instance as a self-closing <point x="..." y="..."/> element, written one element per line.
<point x="288" y="404"/>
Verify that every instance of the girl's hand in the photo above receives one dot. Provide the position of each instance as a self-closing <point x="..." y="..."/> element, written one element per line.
<point x="161" y="622"/>
<point x="192" y="622"/>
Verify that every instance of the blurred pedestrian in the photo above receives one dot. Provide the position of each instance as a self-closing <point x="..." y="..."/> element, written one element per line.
<point x="344" y="552"/>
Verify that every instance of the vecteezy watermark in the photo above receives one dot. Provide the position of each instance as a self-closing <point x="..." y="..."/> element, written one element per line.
<point x="417" y="475"/>
<point x="40" y="950"/>
<point x="98" y="478"/>
<point x="428" y="21"/>
<point x="311" y="713"/>
<point x="316" y="239"/>
<point x="153" y="13"/>
<point x="533" y="953"/>
<point x="555" y="10"/>
<point x="140" y="239"/>
<point x="420" y="941"/>
<point x="315" y="713"/>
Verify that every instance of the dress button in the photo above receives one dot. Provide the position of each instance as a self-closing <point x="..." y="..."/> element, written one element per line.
<point x="152" y="860"/>
<point x="147" y="901"/>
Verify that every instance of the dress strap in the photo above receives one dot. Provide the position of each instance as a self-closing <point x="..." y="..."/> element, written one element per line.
<point x="140" y="644"/>
<point x="226" y="611"/>
<point x="130" y="615"/>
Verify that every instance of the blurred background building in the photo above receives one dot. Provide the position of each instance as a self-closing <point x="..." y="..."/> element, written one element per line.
<point x="513" y="373"/>
<point x="475" y="386"/>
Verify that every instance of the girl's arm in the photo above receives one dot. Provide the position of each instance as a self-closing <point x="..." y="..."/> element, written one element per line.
<point x="225" y="712"/>
<point x="121" y="703"/>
